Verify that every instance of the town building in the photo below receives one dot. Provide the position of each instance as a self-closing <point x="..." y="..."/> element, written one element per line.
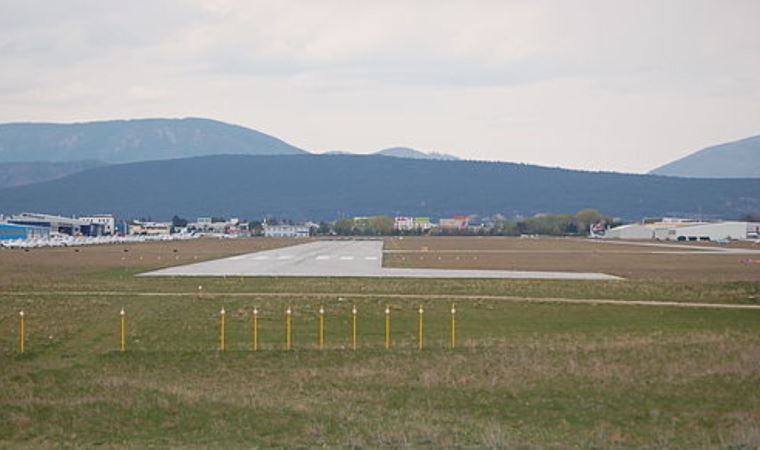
<point x="456" y="223"/>
<point x="402" y="223"/>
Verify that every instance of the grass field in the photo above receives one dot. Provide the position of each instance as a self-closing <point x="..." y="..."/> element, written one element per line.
<point x="524" y="374"/>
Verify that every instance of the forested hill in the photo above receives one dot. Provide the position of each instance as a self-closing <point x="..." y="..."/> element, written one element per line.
<point x="329" y="187"/>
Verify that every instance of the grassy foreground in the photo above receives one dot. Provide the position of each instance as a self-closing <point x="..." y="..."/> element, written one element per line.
<point x="523" y="374"/>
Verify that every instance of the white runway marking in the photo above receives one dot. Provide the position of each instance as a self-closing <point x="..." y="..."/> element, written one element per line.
<point x="300" y="261"/>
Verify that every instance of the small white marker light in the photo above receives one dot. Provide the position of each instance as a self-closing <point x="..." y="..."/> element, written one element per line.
<point x="21" y="313"/>
<point x="354" y="311"/>
<point x="421" y="310"/>
<point x="122" y="312"/>
<point x="321" y="310"/>
<point x="222" y="311"/>
<point x="387" y="311"/>
<point x="453" y="310"/>
<point x="255" y="311"/>
<point x="288" y="311"/>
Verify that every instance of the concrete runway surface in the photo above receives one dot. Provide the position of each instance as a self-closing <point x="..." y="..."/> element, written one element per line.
<point x="343" y="259"/>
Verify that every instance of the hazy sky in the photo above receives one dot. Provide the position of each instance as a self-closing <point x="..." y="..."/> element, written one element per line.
<point x="608" y="85"/>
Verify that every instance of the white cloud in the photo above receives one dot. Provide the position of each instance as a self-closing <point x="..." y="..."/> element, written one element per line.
<point x="621" y="85"/>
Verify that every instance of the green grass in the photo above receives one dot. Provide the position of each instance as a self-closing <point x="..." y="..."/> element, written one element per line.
<point x="523" y="374"/>
<point x="123" y="280"/>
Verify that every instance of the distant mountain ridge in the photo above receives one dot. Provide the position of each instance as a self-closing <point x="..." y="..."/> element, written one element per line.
<point x="402" y="152"/>
<point x="406" y="152"/>
<point x="119" y="141"/>
<point x="321" y="187"/>
<point x="738" y="159"/>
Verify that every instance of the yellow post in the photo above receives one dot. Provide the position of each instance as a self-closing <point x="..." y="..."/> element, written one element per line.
<point x="387" y="326"/>
<point x="222" y="331"/>
<point x="123" y="340"/>
<point x="22" y="333"/>
<point x="255" y="330"/>
<point x="353" y="327"/>
<point x="288" y="329"/>
<point x="421" y="330"/>
<point x="321" y="327"/>
<point x="453" y="326"/>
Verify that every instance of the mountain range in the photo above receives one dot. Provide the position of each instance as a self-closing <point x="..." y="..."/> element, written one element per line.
<point x="120" y="141"/>
<point x="162" y="167"/>
<point x="738" y="159"/>
<point x="325" y="187"/>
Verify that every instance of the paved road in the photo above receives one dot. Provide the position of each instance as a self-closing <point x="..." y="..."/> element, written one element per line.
<point x="343" y="259"/>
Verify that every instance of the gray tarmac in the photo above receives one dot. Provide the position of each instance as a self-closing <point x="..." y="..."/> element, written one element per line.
<point x="343" y="259"/>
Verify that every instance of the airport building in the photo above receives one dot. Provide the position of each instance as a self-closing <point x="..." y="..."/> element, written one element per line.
<point x="106" y="221"/>
<point x="630" y="231"/>
<point x="150" y="228"/>
<point x="296" y="231"/>
<point x="57" y="224"/>
<point x="753" y="230"/>
<point x="682" y="230"/>
<point x="9" y="232"/>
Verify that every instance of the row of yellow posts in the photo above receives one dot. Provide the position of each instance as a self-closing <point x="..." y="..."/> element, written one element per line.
<point x="288" y="329"/>
<point x="321" y="331"/>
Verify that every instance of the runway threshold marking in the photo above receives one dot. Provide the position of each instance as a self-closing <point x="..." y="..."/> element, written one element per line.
<point x="346" y="258"/>
<point x="323" y="257"/>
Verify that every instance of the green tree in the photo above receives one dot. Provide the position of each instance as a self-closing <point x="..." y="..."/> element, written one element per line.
<point x="344" y="227"/>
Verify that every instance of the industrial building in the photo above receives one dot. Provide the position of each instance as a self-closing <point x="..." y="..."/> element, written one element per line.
<point x="683" y="230"/>
<point x="10" y="232"/>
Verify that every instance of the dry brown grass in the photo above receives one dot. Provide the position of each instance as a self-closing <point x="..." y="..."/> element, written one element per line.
<point x="569" y="254"/>
<point x="22" y="268"/>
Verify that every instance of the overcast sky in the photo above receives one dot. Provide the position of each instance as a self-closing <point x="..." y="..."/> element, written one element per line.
<point x="601" y="85"/>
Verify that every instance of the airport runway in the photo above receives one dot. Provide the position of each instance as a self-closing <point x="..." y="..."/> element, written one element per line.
<point x="343" y="259"/>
